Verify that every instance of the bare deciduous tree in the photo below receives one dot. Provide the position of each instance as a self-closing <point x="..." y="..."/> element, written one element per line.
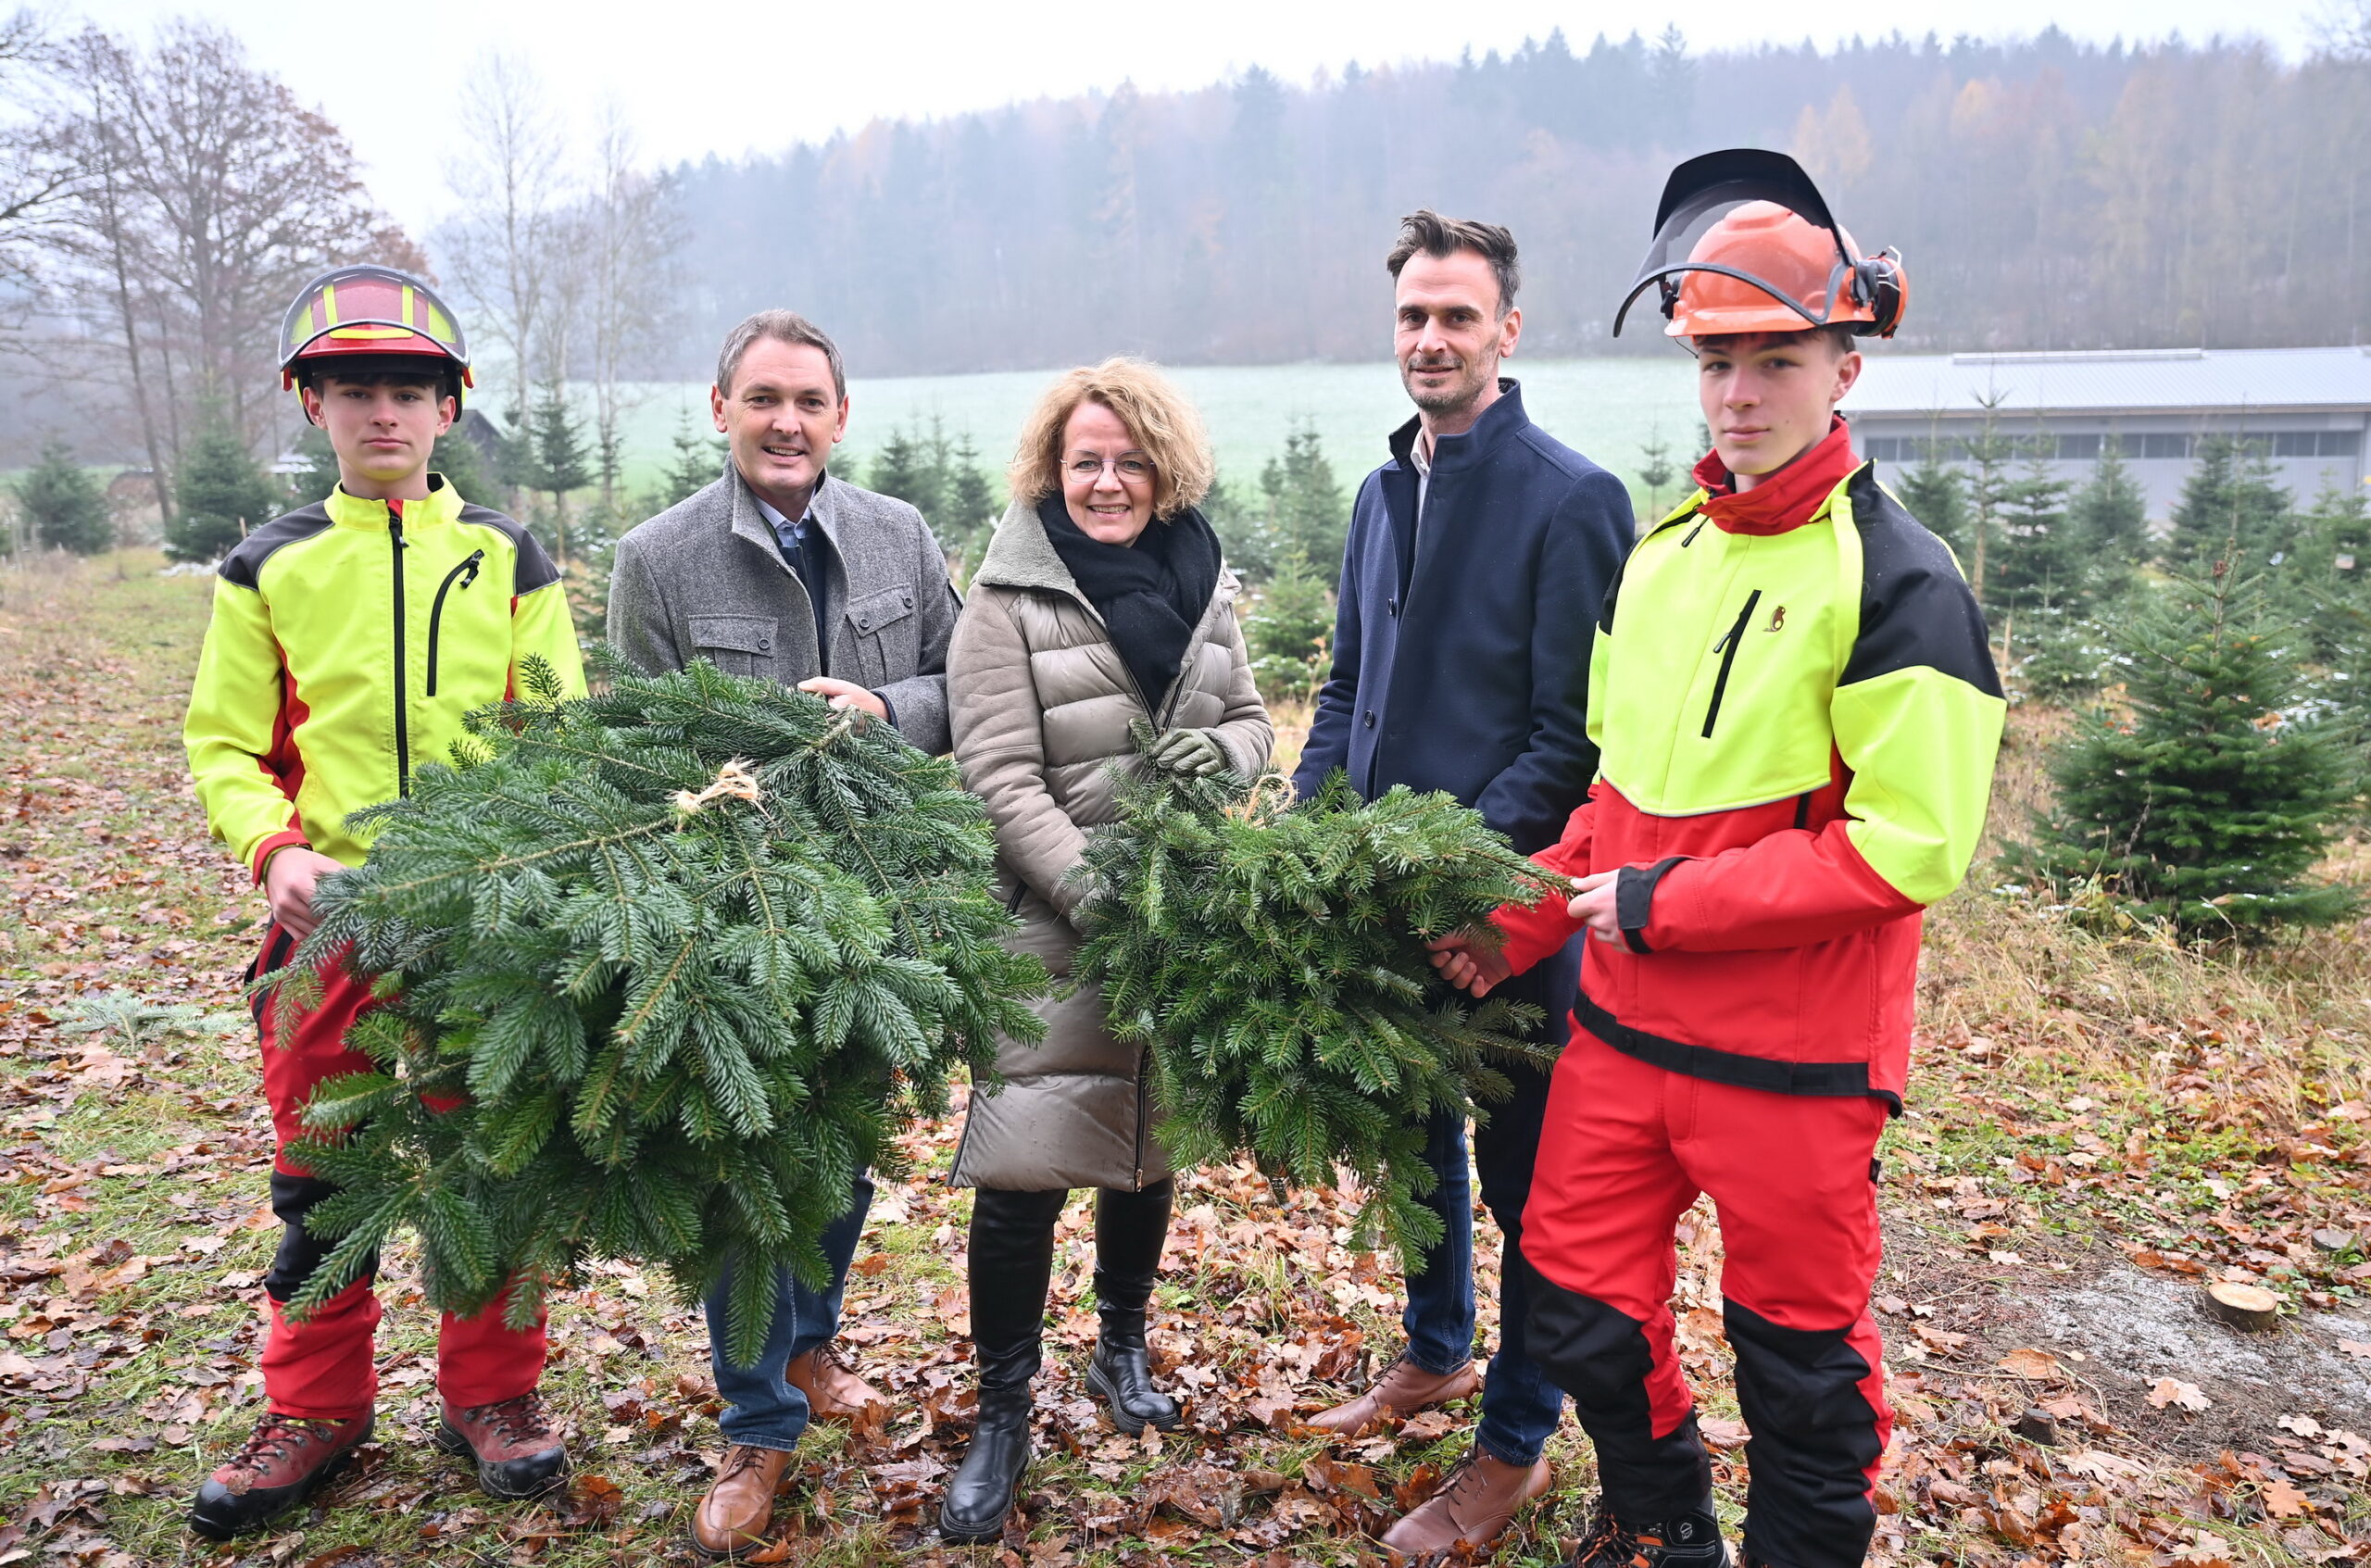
<point x="631" y="237"/>
<point x="204" y="196"/>
<point x="505" y="249"/>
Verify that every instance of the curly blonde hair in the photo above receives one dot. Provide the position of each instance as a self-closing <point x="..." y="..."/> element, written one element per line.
<point x="1161" y="420"/>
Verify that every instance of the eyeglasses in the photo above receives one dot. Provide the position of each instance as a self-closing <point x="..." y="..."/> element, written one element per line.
<point x="1132" y="469"/>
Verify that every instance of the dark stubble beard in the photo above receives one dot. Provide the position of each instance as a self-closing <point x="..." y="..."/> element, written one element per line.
<point x="1455" y="400"/>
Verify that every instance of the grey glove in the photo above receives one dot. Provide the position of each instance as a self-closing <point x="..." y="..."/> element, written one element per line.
<point x="1192" y="753"/>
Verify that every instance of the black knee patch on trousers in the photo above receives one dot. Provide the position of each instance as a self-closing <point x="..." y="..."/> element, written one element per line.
<point x="1602" y="1359"/>
<point x="1814" y="1439"/>
<point x="300" y="1251"/>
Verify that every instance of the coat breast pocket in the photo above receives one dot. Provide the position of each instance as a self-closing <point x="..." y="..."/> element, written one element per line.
<point x="738" y="645"/>
<point x="887" y="636"/>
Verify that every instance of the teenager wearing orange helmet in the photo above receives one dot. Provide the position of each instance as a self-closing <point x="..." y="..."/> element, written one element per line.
<point x="1796" y="710"/>
<point x="348" y="639"/>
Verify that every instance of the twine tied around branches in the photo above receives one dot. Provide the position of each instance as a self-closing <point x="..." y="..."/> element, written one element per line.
<point x="732" y="782"/>
<point x="1269" y="794"/>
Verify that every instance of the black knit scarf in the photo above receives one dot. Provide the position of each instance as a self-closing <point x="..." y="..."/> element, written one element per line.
<point x="1151" y="594"/>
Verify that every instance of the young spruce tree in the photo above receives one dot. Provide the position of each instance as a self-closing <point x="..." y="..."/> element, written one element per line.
<point x="557" y="460"/>
<point x="2109" y="515"/>
<point x="222" y="493"/>
<point x="665" y="967"/>
<point x="65" y="507"/>
<point x="1287" y="630"/>
<point x="2232" y="502"/>
<point x="2209" y="805"/>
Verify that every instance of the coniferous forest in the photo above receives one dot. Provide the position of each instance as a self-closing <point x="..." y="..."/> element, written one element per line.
<point x="2047" y="192"/>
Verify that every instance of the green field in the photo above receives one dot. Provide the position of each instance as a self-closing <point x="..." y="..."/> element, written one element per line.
<point x="1608" y="408"/>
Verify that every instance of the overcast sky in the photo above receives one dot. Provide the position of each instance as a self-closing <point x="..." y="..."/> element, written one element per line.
<point x="698" y="78"/>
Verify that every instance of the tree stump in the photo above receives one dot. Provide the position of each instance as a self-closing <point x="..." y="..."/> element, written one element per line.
<point x="2248" y="1307"/>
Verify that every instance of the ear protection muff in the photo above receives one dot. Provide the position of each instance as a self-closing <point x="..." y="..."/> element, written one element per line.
<point x="1879" y="283"/>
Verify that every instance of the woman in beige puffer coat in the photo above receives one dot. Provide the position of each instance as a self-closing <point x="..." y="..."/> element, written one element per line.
<point x="1101" y="603"/>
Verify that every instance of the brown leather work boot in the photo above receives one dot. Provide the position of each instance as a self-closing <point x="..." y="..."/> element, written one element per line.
<point x="739" y="1508"/>
<point x="1464" y="1519"/>
<point x="834" y="1390"/>
<point x="284" y="1460"/>
<point x="515" y="1445"/>
<point x="1402" y="1391"/>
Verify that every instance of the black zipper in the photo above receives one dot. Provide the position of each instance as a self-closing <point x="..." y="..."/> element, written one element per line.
<point x="467" y="573"/>
<point x="1693" y="532"/>
<point x="1144" y="1066"/>
<point x="1727" y="648"/>
<point x="403" y="724"/>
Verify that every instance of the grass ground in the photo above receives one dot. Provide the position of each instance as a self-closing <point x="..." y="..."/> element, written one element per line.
<point x="2095" y="1119"/>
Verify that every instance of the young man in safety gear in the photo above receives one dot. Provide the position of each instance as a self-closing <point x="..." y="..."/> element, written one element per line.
<point x="348" y="639"/>
<point x="1796" y="712"/>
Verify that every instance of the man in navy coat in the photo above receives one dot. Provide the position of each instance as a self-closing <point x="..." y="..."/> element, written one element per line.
<point x="1478" y="560"/>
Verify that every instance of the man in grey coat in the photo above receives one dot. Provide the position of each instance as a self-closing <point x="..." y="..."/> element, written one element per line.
<point x="781" y="570"/>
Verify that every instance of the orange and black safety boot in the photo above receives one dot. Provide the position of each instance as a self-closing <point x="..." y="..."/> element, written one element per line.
<point x="283" y="1460"/>
<point x="1691" y="1539"/>
<point x="518" y="1448"/>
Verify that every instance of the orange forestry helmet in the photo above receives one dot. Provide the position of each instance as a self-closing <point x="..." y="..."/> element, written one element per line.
<point x="374" y="319"/>
<point x="1775" y="262"/>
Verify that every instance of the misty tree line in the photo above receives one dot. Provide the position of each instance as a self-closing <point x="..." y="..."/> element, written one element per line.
<point x="2047" y="193"/>
<point x="160" y="201"/>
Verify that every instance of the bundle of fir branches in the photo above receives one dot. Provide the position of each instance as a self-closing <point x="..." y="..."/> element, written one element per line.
<point x="663" y="969"/>
<point x="1270" y="957"/>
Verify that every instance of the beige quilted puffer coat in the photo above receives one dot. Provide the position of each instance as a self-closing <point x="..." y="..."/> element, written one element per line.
<point x="1040" y="702"/>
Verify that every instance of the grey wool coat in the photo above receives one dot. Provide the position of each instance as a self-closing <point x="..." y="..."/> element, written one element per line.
<point x="1041" y="703"/>
<point x="706" y="579"/>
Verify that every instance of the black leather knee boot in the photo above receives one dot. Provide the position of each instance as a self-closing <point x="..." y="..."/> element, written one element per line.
<point x="1129" y="1230"/>
<point x="1012" y="1262"/>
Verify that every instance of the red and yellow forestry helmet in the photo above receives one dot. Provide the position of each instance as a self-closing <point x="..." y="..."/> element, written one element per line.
<point x="367" y="318"/>
<point x="1775" y="261"/>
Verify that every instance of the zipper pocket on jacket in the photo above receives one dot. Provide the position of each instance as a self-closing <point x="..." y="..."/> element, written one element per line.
<point x="403" y="729"/>
<point x="1727" y="648"/>
<point x="467" y="573"/>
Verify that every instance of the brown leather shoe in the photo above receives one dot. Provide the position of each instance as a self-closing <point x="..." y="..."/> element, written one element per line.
<point x="834" y="1390"/>
<point x="739" y="1508"/>
<point x="1464" y="1519"/>
<point x="1402" y="1391"/>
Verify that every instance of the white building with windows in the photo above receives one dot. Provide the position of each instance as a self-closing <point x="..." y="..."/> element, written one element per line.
<point x="2311" y="408"/>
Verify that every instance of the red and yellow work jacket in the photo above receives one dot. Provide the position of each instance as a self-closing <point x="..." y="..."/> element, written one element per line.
<point x="1795" y="711"/>
<point x="348" y="639"/>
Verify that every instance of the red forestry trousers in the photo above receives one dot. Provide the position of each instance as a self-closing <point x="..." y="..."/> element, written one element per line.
<point x="1627" y="1148"/>
<point x="321" y="1367"/>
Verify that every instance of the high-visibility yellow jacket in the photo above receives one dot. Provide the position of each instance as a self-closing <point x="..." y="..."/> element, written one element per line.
<point x="348" y="639"/>
<point x="1796" y="731"/>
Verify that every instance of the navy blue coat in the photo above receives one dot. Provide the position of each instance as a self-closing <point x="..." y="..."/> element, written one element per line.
<point x="1462" y="656"/>
<point x="1462" y="665"/>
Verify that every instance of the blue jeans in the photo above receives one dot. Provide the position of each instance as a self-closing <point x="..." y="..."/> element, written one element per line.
<point x="1520" y="1407"/>
<point x="762" y="1408"/>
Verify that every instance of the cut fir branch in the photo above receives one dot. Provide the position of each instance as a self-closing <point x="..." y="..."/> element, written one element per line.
<point x="661" y="970"/>
<point x="1270" y="958"/>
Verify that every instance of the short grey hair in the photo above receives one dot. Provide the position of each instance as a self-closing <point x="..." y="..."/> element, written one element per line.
<point x="783" y="326"/>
